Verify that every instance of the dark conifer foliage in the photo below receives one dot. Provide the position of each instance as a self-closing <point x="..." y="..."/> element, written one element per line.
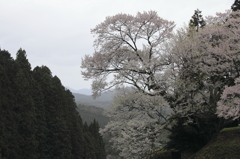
<point x="192" y="137"/>
<point x="25" y="107"/>
<point x="197" y="20"/>
<point x="38" y="116"/>
<point x="98" y="142"/>
<point x="236" y="5"/>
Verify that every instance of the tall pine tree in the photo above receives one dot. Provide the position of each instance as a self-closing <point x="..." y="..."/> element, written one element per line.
<point x="197" y="20"/>
<point x="8" y="122"/>
<point x="236" y="5"/>
<point x="25" y="107"/>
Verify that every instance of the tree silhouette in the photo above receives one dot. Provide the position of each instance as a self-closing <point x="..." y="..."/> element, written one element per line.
<point x="236" y="5"/>
<point x="197" y="20"/>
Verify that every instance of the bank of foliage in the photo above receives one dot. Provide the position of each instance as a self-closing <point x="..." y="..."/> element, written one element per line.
<point x="38" y="116"/>
<point x="225" y="145"/>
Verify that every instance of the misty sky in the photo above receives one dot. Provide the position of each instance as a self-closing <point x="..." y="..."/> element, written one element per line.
<point x="56" y="33"/>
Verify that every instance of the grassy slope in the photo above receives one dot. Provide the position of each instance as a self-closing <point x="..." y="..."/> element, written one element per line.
<point x="225" y="146"/>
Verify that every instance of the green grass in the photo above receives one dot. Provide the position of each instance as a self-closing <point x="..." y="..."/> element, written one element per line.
<point x="159" y="153"/>
<point x="230" y="129"/>
<point x="225" y="146"/>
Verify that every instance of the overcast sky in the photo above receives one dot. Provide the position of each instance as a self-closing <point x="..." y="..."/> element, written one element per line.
<point x="56" y="33"/>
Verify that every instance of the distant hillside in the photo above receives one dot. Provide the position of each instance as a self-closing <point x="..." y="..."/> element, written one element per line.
<point x="225" y="146"/>
<point x="103" y="101"/>
<point x="91" y="109"/>
<point x="89" y="113"/>
<point x="84" y="91"/>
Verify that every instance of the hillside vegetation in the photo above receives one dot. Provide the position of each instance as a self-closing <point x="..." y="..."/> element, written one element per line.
<point x="91" y="109"/>
<point x="224" y="146"/>
<point x="89" y="113"/>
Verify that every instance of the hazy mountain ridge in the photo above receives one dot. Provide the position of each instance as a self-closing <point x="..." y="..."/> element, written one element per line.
<point x="84" y="91"/>
<point x="91" y="109"/>
<point x="103" y="101"/>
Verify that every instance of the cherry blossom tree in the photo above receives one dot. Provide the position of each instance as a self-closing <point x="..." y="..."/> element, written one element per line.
<point x="219" y="18"/>
<point x="128" y="49"/>
<point x="219" y="55"/>
<point x="205" y="62"/>
<point x="187" y="71"/>
<point x="229" y="105"/>
<point x="137" y="122"/>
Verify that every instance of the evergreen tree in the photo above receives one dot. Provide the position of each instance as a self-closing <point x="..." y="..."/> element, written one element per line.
<point x="193" y="136"/>
<point x="75" y="125"/>
<point x="88" y="143"/>
<point x="8" y="126"/>
<point x="41" y="110"/>
<point x="39" y="119"/>
<point x="236" y="5"/>
<point x="44" y="77"/>
<point x="58" y="125"/>
<point x="25" y="107"/>
<point x="97" y="140"/>
<point x="197" y="20"/>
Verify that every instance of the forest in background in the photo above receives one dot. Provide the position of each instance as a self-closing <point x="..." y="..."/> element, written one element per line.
<point x="88" y="113"/>
<point x="39" y="117"/>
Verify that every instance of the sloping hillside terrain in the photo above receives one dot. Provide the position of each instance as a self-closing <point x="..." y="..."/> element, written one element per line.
<point x="225" y="146"/>
<point x="89" y="113"/>
<point x="91" y="109"/>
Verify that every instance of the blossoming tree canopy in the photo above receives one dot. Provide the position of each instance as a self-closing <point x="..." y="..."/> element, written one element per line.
<point x="128" y="48"/>
<point x="229" y="105"/>
<point x="137" y="122"/>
